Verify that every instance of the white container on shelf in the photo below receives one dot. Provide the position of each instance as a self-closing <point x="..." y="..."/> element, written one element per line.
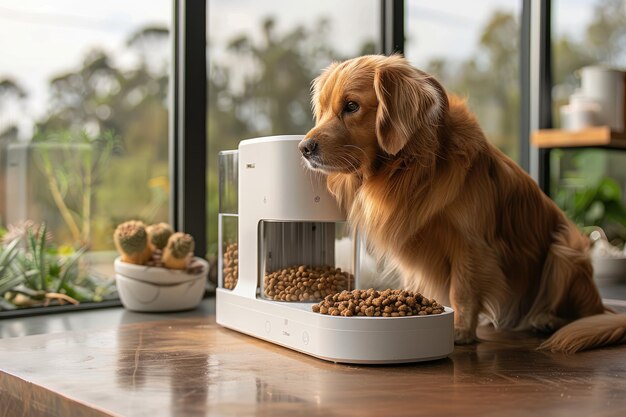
<point x="580" y="113"/>
<point x="605" y="85"/>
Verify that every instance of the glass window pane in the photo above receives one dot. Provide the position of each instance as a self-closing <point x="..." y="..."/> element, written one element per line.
<point x="590" y="185"/>
<point x="472" y="48"/>
<point x="262" y="58"/>
<point x="83" y="136"/>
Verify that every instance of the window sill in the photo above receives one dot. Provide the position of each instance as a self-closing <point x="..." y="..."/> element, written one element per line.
<point x="80" y="320"/>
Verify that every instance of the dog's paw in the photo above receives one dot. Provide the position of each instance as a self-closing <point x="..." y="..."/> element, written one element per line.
<point x="464" y="336"/>
<point x="547" y="323"/>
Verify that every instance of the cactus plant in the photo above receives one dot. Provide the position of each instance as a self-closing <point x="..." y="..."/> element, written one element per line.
<point x="178" y="251"/>
<point x="158" y="234"/>
<point x="131" y="241"/>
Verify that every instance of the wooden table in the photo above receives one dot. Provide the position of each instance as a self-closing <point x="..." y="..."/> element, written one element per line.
<point x="193" y="367"/>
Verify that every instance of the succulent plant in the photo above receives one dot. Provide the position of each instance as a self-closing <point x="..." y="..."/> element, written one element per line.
<point x="158" y="234"/>
<point x="131" y="241"/>
<point x="178" y="251"/>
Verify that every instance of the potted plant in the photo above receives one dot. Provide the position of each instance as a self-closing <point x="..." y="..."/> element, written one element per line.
<point x="156" y="270"/>
<point x="35" y="273"/>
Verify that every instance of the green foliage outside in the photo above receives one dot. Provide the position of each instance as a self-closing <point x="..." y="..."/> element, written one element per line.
<point x="34" y="272"/>
<point x="589" y="198"/>
<point x="599" y="205"/>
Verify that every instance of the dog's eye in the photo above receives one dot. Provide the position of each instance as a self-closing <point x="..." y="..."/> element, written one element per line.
<point x="350" y="107"/>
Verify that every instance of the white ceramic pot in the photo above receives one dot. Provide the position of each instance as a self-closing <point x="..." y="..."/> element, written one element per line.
<point x="605" y="86"/>
<point x="609" y="270"/>
<point x="154" y="289"/>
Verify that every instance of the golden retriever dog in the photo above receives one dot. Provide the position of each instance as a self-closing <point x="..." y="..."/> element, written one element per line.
<point x="454" y="216"/>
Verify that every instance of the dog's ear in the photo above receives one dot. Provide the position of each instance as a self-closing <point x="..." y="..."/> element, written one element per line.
<point x="408" y="100"/>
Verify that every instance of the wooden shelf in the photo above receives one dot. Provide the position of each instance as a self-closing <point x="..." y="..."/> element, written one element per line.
<point x="600" y="136"/>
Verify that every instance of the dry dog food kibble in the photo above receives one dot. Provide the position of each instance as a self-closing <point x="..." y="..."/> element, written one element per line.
<point x="231" y="266"/>
<point x="305" y="283"/>
<point x="373" y="303"/>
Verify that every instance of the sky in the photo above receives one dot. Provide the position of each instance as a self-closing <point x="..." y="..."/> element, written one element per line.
<point x="448" y="29"/>
<point x="451" y="28"/>
<point x="41" y="39"/>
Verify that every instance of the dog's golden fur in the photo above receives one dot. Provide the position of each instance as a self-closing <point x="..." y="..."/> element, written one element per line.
<point x="457" y="219"/>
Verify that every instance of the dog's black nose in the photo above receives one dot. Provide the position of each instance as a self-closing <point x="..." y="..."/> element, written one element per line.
<point x="308" y="147"/>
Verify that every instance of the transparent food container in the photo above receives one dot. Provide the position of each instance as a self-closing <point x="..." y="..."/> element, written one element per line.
<point x="305" y="261"/>
<point x="228" y="220"/>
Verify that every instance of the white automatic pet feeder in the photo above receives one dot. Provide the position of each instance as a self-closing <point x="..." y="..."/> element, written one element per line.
<point x="280" y="214"/>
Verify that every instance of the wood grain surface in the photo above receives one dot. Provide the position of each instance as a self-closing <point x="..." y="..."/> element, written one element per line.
<point x="193" y="367"/>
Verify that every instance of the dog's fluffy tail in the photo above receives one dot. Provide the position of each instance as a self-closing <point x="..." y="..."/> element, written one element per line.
<point x="588" y="333"/>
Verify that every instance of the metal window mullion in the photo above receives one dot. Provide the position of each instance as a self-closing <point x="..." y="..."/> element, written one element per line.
<point x="540" y="87"/>
<point x="392" y="26"/>
<point x="188" y="122"/>
<point x="173" y="117"/>
<point x="524" y="129"/>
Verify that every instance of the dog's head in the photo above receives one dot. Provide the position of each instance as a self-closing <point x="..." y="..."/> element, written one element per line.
<point x="371" y="107"/>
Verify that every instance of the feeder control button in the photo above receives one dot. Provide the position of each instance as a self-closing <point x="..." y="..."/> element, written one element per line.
<point x="305" y="338"/>
<point x="268" y="326"/>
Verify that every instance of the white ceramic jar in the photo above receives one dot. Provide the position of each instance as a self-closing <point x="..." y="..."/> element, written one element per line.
<point x="605" y="85"/>
<point x="156" y="289"/>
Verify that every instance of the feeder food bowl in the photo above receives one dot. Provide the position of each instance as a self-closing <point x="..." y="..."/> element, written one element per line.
<point x="156" y="289"/>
